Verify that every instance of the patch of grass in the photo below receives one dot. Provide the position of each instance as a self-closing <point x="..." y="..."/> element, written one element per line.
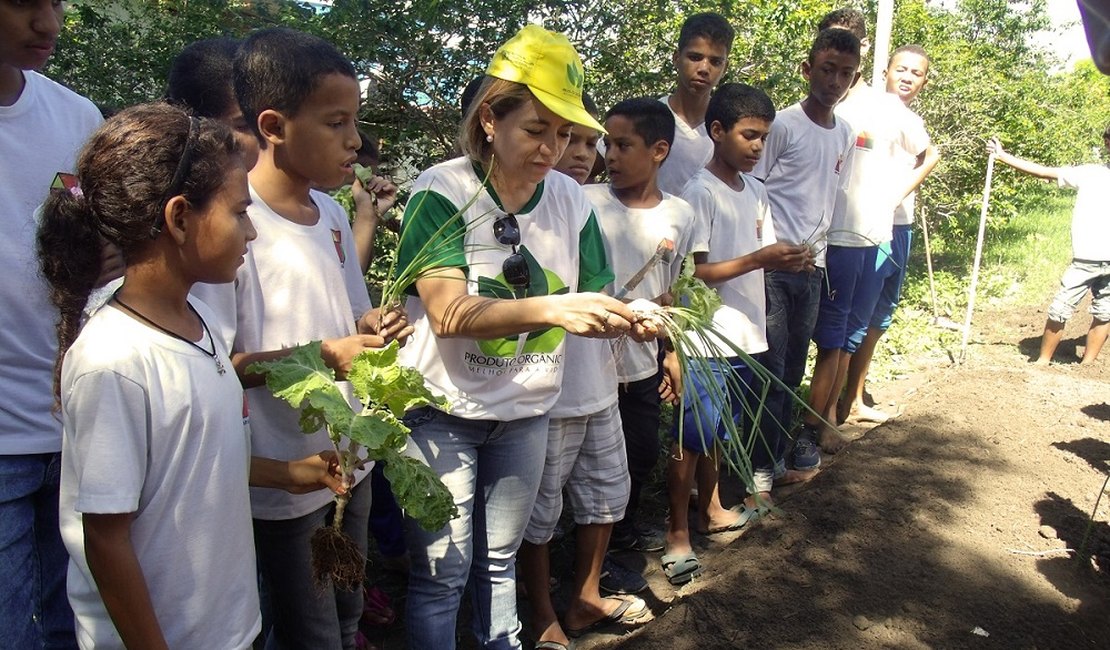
<point x="1023" y="257"/>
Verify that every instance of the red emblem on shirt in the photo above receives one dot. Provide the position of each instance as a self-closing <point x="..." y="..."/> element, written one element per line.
<point x="337" y="239"/>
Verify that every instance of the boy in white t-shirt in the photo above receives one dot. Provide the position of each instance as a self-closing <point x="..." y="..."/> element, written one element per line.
<point x="301" y="281"/>
<point x="587" y="460"/>
<point x="733" y="241"/>
<point x="872" y="187"/>
<point x="700" y="60"/>
<point x="42" y="127"/>
<point x="635" y="216"/>
<point x="801" y="166"/>
<point x="1090" y="243"/>
<point x="906" y="75"/>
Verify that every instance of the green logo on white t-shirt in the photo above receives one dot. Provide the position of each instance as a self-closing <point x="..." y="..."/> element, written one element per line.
<point x="543" y="283"/>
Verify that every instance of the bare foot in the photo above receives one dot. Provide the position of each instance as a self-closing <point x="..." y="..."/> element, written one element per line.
<point x="1041" y="362"/>
<point x="761" y="500"/>
<point x="831" y="440"/>
<point x="725" y="520"/>
<point x="796" y="476"/>
<point x="865" y="413"/>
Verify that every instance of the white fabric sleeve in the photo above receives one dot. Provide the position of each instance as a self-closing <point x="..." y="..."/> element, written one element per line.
<point x="108" y="418"/>
<point x="777" y="141"/>
<point x="700" y="199"/>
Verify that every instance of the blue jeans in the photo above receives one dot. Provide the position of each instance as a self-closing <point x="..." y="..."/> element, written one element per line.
<point x="493" y="471"/>
<point x="34" y="609"/>
<point x="387" y="521"/>
<point x="792" y="301"/>
<point x="300" y="614"/>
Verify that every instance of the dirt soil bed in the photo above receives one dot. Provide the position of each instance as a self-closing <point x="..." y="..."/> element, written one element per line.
<point x="944" y="528"/>
<point x="940" y="529"/>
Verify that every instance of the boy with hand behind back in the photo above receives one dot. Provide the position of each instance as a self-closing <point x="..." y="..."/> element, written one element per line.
<point x="635" y="215"/>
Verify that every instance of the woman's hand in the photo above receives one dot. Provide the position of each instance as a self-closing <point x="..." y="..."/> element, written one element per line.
<point x="593" y="315"/>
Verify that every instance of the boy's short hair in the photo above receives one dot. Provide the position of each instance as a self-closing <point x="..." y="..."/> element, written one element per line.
<point x="733" y="102"/>
<point x="709" y="25"/>
<point x="201" y="77"/>
<point x="836" y="39"/>
<point x="846" y="18"/>
<point x="651" y="119"/>
<point x="278" y="68"/>
<point x="1106" y="131"/>
<point x="912" y="49"/>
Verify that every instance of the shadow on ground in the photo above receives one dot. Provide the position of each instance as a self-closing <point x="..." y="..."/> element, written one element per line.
<point x="862" y="558"/>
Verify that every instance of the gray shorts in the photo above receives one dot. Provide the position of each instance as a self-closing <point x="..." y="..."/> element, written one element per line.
<point x="586" y="455"/>
<point x="1080" y="276"/>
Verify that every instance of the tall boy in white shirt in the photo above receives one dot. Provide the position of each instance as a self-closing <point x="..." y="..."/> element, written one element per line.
<point x="801" y="166"/>
<point x="42" y="127"/>
<point x="700" y="60"/>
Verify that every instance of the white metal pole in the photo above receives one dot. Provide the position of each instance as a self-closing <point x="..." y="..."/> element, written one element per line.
<point x="881" y="46"/>
<point x="978" y="257"/>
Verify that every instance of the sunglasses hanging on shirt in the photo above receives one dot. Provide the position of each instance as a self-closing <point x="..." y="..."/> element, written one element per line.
<point x="515" y="267"/>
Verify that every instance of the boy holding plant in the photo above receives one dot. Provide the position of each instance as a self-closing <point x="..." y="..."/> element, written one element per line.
<point x="733" y="241"/>
<point x="801" y="165"/>
<point x="301" y="281"/>
<point x="635" y="215"/>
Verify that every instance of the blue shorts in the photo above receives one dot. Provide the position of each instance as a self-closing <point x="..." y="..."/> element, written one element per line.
<point x="848" y="297"/>
<point x="892" y="268"/>
<point x="703" y="417"/>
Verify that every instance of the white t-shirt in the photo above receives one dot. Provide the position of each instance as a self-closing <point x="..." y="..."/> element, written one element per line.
<point x="691" y="150"/>
<point x="589" y="377"/>
<point x="1090" y="225"/>
<point x="151" y="428"/>
<point x="40" y="135"/>
<point x="298" y="284"/>
<point x="903" y="214"/>
<point x="731" y="224"/>
<point x="801" y="166"/>
<point x="516" y="376"/>
<point x="631" y="237"/>
<point x="886" y="133"/>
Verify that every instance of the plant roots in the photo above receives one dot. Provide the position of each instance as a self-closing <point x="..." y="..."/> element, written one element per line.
<point x="336" y="557"/>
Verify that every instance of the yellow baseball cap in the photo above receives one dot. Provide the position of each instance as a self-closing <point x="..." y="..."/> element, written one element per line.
<point x="546" y="62"/>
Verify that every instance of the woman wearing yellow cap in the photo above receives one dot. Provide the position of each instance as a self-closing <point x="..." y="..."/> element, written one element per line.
<point x="519" y="259"/>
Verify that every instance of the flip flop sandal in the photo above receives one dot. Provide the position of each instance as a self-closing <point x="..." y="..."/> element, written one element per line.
<point x="681" y="568"/>
<point x="746" y="515"/>
<point x="631" y="609"/>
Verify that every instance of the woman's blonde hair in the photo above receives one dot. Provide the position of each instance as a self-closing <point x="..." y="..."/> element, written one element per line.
<point x="503" y="98"/>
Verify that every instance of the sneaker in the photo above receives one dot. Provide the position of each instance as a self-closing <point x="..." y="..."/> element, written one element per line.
<point x="807" y="455"/>
<point x="640" y="541"/>
<point x="619" y="579"/>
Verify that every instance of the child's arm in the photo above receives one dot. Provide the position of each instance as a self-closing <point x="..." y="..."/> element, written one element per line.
<point x="298" y="476"/>
<point x="1020" y="164"/>
<point x="337" y="353"/>
<point x="120" y="581"/>
<point x="926" y="161"/>
<point x="779" y="256"/>
<point x="371" y="203"/>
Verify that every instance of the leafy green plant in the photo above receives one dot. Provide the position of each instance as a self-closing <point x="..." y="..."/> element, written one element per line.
<point x="386" y="391"/>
